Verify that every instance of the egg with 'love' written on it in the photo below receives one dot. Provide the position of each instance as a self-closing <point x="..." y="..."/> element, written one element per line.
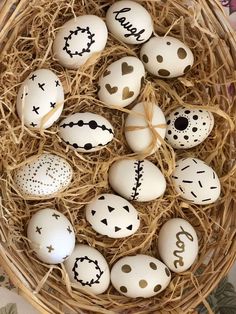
<point x="86" y="132"/>
<point x="79" y="39"/>
<point x="166" y="57"/>
<point x="178" y="244"/>
<point x="140" y="276"/>
<point x="129" y="21"/>
<point x="45" y="176"/>
<point x="195" y="181"/>
<point x="40" y="99"/>
<point x="121" y="82"/>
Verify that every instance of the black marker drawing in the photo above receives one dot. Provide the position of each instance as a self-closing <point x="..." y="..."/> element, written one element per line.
<point x="92" y="124"/>
<point x="138" y="168"/>
<point x="36" y="109"/>
<point x="41" y="86"/>
<point x="33" y="77"/>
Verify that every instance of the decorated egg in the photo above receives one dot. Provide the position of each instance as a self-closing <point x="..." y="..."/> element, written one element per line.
<point x="187" y="128"/>
<point x="79" y="39"/>
<point x="129" y="21"/>
<point x="137" y="180"/>
<point x="40" y="99"/>
<point x="86" y="132"/>
<point x="121" y="82"/>
<point x="43" y="176"/>
<point x="195" y="181"/>
<point x="51" y="236"/>
<point x="178" y="244"/>
<point x="113" y="216"/>
<point x="166" y="57"/>
<point x="88" y="269"/>
<point x="140" y="276"/>
<point x="138" y="133"/>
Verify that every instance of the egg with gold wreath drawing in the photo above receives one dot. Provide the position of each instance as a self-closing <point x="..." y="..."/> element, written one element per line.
<point x="158" y="156"/>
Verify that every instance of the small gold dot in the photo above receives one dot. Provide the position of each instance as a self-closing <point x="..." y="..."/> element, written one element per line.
<point x="187" y="68"/>
<point x="145" y="58"/>
<point x="143" y="283"/>
<point x="167" y="272"/>
<point x="164" y="72"/>
<point x="123" y="289"/>
<point x="153" y="265"/>
<point x="159" y="58"/>
<point x="157" y="288"/>
<point x="182" y="54"/>
<point x="126" y="268"/>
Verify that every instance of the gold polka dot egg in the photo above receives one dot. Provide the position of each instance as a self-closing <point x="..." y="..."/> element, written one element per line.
<point x="166" y="57"/>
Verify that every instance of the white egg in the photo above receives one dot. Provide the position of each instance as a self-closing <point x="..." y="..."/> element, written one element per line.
<point x="43" y="176"/>
<point x="187" y="128"/>
<point x="139" y="136"/>
<point x="195" y="181"/>
<point x="129" y="21"/>
<point x="40" y="99"/>
<point x="86" y="132"/>
<point x="121" y="82"/>
<point x="166" y="57"/>
<point x="178" y="244"/>
<point x="137" y="180"/>
<point x="51" y="236"/>
<point x="79" y="39"/>
<point x="88" y="269"/>
<point x="140" y="276"/>
<point x="113" y="216"/>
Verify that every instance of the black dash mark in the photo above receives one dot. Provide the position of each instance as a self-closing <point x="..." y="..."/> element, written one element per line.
<point x="187" y="181"/>
<point x="41" y="86"/>
<point x="23" y="95"/>
<point x="213" y="187"/>
<point x="201" y="171"/>
<point x="214" y="175"/>
<point x="181" y="189"/>
<point x="185" y="168"/>
<point x="199" y="182"/>
<point x="206" y="199"/>
<point x="194" y="194"/>
<point x="174" y="177"/>
<point x="194" y="161"/>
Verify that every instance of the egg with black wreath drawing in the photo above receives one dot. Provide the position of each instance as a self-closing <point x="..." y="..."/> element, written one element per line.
<point x="140" y="276"/>
<point x="40" y="99"/>
<point x="79" y="39"/>
<point x="195" y="181"/>
<point x="43" y="176"/>
<point x="86" y="132"/>
<point x="166" y="57"/>
<point x="113" y="216"/>
<point x="129" y="21"/>
<point x="51" y="236"/>
<point x="121" y="82"/>
<point x="88" y="269"/>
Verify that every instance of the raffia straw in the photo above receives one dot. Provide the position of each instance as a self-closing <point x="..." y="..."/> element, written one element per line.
<point x="26" y="37"/>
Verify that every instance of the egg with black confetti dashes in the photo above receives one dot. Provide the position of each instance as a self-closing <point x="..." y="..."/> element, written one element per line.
<point x="86" y="132"/>
<point x="188" y="128"/>
<point x="51" y="236"/>
<point x="43" y="176"/>
<point x="40" y="99"/>
<point x="195" y="181"/>
<point x="166" y="57"/>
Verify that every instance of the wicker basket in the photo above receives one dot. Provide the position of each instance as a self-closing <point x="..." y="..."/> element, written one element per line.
<point x="27" y="29"/>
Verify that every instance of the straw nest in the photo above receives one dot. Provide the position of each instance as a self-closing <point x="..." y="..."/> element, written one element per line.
<point x="26" y="37"/>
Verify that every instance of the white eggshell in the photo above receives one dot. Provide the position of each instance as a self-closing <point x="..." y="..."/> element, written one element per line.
<point x="78" y="39"/>
<point x="51" y="236"/>
<point x="187" y="128"/>
<point x="140" y="276"/>
<point x="195" y="181"/>
<point x="88" y="269"/>
<point x="121" y="82"/>
<point x="138" y="180"/>
<point x="86" y="132"/>
<point x="166" y="57"/>
<point x="178" y="244"/>
<point x="40" y="95"/>
<point x="113" y="216"/>
<point x="137" y="132"/>
<point x="44" y="176"/>
<point x="129" y="21"/>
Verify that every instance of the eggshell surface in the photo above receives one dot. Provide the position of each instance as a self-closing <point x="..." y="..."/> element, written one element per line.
<point x="166" y="57"/>
<point x="40" y="99"/>
<point x="187" y="128"/>
<point x="138" y="133"/>
<point x="129" y="21"/>
<point x="88" y="269"/>
<point x="78" y="39"/>
<point x="113" y="216"/>
<point x="178" y="244"/>
<point x="140" y="276"/>
<point x="51" y="236"/>
<point x="138" y="180"/>
<point x="44" y="176"/>
<point x="195" y="181"/>
<point x="121" y="82"/>
<point x="86" y="132"/>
